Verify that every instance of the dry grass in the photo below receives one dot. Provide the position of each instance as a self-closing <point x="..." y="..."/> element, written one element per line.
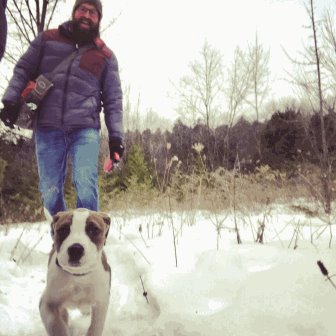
<point x="215" y="193"/>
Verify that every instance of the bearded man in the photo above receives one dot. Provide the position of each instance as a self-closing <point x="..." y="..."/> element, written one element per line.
<point x="68" y="123"/>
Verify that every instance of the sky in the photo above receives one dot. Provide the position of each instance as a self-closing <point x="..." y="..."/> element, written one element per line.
<point x="156" y="40"/>
<point x="216" y="289"/>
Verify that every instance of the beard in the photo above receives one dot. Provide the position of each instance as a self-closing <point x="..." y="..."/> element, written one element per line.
<point x="84" y="36"/>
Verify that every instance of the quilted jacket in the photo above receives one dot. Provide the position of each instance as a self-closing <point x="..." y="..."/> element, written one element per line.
<point x="80" y="89"/>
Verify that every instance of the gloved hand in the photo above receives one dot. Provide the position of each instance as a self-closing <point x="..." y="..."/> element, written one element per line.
<point x="116" y="152"/>
<point x="10" y="113"/>
<point x="116" y="149"/>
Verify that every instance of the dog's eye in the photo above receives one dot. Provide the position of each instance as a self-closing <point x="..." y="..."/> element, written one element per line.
<point x="63" y="231"/>
<point x="92" y="230"/>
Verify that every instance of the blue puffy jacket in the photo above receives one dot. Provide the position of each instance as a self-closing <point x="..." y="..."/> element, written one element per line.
<point x="80" y="88"/>
<point x="3" y="27"/>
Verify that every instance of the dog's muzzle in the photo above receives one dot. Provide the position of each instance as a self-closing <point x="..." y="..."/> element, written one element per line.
<point x="75" y="252"/>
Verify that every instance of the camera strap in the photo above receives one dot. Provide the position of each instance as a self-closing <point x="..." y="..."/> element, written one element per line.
<point x="35" y="92"/>
<point x="63" y="64"/>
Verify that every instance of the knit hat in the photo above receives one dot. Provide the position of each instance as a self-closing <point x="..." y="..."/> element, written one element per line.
<point x="96" y="3"/>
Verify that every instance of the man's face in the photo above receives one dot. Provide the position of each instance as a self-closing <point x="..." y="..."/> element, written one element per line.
<point x="87" y="17"/>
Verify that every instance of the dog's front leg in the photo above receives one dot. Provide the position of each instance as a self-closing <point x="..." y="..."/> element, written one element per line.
<point x="98" y="316"/>
<point x="54" y="319"/>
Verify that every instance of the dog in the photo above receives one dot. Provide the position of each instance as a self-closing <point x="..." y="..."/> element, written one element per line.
<point x="78" y="274"/>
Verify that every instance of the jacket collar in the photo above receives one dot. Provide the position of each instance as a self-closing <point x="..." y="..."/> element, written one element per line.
<point x="65" y="29"/>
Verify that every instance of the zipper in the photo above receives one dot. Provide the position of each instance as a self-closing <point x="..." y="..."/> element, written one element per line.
<point x="66" y="86"/>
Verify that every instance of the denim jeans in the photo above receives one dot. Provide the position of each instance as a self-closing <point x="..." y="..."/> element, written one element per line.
<point x="53" y="148"/>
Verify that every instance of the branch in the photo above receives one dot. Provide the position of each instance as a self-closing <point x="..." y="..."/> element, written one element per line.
<point x="23" y="31"/>
<point x="110" y="24"/>
<point x="52" y="14"/>
<point x="31" y="17"/>
<point x="43" y="15"/>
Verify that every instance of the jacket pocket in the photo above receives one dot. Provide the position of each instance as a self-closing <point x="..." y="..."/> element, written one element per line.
<point x="92" y="61"/>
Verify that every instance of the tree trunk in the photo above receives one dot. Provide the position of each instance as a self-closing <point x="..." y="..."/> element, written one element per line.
<point x="324" y="165"/>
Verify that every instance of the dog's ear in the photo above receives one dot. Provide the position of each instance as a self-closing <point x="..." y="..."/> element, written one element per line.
<point x="107" y="220"/>
<point x="55" y="218"/>
<point x="51" y="219"/>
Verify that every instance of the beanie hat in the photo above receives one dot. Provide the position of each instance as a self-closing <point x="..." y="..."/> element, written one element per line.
<point x="96" y="3"/>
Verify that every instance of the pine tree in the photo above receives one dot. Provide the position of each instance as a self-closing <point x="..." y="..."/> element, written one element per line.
<point x="138" y="175"/>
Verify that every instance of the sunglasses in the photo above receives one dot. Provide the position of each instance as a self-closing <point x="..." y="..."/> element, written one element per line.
<point x="92" y="12"/>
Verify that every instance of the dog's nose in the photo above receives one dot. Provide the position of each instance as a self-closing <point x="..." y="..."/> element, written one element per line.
<point x="75" y="252"/>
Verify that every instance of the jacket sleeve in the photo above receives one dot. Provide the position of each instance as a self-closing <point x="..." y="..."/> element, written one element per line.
<point x="3" y="27"/>
<point x="24" y="71"/>
<point x="112" y="99"/>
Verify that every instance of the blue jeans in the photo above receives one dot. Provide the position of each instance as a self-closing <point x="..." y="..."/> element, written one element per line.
<point x="53" y="147"/>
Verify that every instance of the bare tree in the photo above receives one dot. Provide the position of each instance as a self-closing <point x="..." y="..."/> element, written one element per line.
<point x="236" y="90"/>
<point x="132" y="118"/>
<point x="127" y="108"/>
<point x="328" y="56"/>
<point x="313" y="80"/>
<point x="258" y="61"/>
<point x="259" y="75"/>
<point x="324" y="156"/>
<point x="26" y="20"/>
<point x="153" y="121"/>
<point x="200" y="90"/>
<point x="238" y="82"/>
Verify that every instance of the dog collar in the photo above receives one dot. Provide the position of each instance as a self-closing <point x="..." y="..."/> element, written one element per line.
<point x="75" y="274"/>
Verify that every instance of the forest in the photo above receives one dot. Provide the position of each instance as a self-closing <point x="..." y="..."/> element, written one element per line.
<point x="192" y="166"/>
<point x="231" y="143"/>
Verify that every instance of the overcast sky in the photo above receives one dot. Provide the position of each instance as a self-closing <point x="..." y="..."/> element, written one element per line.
<point x="155" y="40"/>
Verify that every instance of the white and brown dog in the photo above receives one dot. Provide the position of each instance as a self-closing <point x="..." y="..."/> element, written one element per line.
<point x="78" y="272"/>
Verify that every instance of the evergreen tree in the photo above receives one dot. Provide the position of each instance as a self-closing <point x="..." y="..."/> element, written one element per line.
<point x="137" y="175"/>
<point x="282" y="139"/>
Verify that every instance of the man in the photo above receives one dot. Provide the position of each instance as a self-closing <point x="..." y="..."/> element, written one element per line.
<point x="3" y="27"/>
<point x="68" y="120"/>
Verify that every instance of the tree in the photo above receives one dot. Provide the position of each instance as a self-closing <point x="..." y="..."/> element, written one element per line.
<point x="282" y="139"/>
<point x="243" y="144"/>
<point x="29" y="18"/>
<point x="258" y="60"/>
<point x="138" y="175"/>
<point x="181" y="145"/>
<point x="199" y="92"/>
<point x="259" y="75"/>
<point x="131" y="113"/>
<point x="328" y="35"/>
<point x="153" y="121"/>
<point x="312" y="80"/>
<point x="325" y="165"/>
<point x="19" y="196"/>
<point x="237" y="84"/>
<point x="330" y="129"/>
<point x="236" y="91"/>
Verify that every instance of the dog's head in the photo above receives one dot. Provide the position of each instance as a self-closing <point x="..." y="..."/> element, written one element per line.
<point x="79" y="236"/>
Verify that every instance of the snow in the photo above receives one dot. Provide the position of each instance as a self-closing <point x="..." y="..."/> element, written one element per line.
<point x="217" y="288"/>
<point x="12" y="135"/>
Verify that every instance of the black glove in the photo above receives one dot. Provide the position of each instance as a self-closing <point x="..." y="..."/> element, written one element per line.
<point x="10" y="113"/>
<point x="116" y="149"/>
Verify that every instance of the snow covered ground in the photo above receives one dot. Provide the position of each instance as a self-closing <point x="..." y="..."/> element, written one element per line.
<point x="242" y="290"/>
